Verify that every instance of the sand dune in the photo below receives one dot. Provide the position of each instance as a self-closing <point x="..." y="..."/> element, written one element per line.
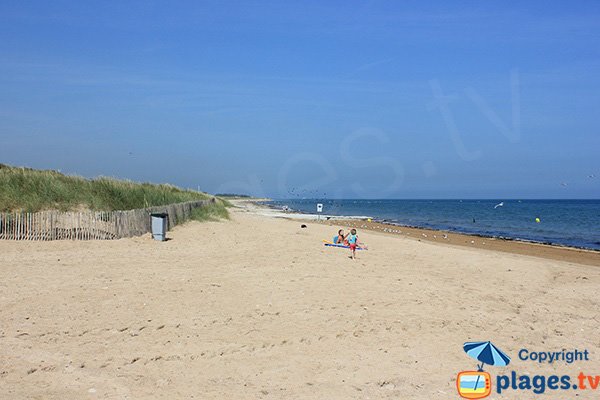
<point x="257" y="308"/>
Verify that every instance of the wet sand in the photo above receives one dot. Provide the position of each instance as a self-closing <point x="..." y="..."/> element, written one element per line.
<point x="551" y="252"/>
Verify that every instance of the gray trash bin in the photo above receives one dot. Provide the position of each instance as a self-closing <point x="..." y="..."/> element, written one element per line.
<point x="159" y="226"/>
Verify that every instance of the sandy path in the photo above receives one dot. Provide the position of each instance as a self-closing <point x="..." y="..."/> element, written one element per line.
<point x="258" y="308"/>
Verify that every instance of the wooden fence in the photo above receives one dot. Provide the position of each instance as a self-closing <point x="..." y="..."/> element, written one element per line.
<point x="90" y="225"/>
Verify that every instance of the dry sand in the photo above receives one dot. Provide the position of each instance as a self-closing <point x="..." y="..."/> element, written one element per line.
<point x="258" y="308"/>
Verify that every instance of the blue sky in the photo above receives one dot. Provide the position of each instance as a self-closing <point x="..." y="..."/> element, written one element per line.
<point x="339" y="99"/>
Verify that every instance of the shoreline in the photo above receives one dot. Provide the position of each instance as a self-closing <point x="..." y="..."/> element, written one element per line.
<point x="476" y="241"/>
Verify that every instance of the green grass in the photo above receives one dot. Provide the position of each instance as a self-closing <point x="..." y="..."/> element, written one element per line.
<point x="213" y="212"/>
<point x="33" y="190"/>
<point x="226" y="202"/>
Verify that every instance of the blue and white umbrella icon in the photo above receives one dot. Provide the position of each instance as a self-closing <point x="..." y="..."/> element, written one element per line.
<point x="486" y="353"/>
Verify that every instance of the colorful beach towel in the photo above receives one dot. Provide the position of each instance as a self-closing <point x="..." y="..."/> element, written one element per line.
<point x="331" y="244"/>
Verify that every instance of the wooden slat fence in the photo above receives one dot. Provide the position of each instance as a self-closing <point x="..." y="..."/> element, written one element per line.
<point x="90" y="225"/>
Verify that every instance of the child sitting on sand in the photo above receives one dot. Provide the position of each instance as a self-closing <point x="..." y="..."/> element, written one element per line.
<point x="340" y="238"/>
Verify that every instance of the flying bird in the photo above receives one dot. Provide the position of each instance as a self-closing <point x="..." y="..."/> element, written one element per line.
<point x="501" y="204"/>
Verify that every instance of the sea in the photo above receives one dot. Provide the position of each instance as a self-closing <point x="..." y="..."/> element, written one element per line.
<point x="573" y="223"/>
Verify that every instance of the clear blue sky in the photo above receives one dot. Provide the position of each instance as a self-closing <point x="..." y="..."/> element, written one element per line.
<point x="349" y="98"/>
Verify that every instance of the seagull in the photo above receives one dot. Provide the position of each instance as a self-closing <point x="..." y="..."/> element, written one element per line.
<point x="564" y="184"/>
<point x="501" y="204"/>
<point x="592" y="176"/>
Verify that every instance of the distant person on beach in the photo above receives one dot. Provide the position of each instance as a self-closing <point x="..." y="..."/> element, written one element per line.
<point x="353" y="242"/>
<point x="340" y="238"/>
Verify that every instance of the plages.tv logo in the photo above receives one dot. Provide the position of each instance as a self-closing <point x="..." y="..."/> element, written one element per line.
<point x="478" y="384"/>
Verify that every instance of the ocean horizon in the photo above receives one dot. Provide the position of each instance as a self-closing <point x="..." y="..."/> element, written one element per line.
<point x="565" y="222"/>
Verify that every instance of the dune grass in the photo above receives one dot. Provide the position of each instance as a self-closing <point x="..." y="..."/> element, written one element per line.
<point x="213" y="212"/>
<point x="33" y="190"/>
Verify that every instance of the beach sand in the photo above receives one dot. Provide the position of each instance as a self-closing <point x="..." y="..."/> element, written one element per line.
<point x="257" y="307"/>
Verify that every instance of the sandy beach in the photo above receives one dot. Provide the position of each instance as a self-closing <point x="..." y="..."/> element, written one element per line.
<point x="528" y="248"/>
<point x="256" y="307"/>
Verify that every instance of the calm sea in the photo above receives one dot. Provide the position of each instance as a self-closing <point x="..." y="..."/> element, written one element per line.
<point x="566" y="222"/>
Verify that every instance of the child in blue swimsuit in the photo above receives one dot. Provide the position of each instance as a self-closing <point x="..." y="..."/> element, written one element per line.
<point x="353" y="242"/>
